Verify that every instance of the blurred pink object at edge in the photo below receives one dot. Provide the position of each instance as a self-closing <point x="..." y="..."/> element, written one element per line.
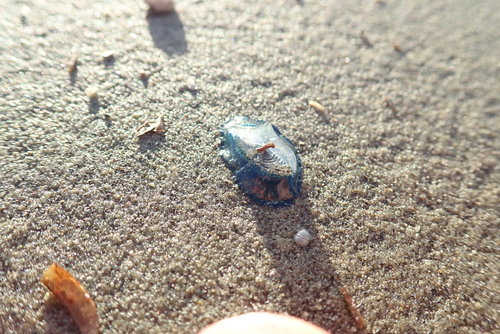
<point x="262" y="323"/>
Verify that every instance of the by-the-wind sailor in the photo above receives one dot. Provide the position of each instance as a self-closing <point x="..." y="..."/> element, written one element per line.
<point x="266" y="165"/>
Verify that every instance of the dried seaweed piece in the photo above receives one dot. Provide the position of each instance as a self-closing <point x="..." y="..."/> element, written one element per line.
<point x="73" y="296"/>
<point x="360" y="321"/>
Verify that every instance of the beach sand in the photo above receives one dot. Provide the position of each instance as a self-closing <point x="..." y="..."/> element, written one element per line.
<point x="401" y="171"/>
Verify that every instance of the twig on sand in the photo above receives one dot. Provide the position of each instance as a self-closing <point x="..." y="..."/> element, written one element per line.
<point x="360" y="321"/>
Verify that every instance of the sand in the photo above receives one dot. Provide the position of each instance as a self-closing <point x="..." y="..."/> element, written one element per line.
<point x="401" y="172"/>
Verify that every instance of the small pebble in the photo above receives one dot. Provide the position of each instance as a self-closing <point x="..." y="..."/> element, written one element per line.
<point x="91" y="92"/>
<point x="108" y="55"/>
<point x="397" y="47"/>
<point x="161" y="6"/>
<point x="191" y="84"/>
<point x="303" y="237"/>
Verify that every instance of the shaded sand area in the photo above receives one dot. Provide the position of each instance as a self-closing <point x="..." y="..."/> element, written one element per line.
<point x="401" y="171"/>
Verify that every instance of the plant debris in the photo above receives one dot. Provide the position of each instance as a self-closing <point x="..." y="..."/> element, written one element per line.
<point x="149" y="128"/>
<point x="360" y="321"/>
<point x="143" y="76"/>
<point x="73" y="296"/>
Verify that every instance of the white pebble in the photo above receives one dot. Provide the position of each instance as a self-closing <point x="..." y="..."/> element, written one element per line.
<point x="91" y="92"/>
<point x="303" y="237"/>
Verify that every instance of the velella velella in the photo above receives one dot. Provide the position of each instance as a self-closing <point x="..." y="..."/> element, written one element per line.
<point x="266" y="165"/>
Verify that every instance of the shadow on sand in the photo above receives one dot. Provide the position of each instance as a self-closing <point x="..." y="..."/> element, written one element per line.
<point x="310" y="281"/>
<point x="151" y="143"/>
<point x="167" y="32"/>
<point x="58" y="319"/>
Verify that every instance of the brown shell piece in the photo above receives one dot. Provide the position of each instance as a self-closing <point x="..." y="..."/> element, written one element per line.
<point x="73" y="296"/>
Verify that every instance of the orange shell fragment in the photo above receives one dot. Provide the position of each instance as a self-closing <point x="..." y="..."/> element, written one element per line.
<point x="73" y="296"/>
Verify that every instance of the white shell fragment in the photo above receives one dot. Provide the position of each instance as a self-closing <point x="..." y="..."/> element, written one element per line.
<point x="316" y="106"/>
<point x="148" y="128"/>
<point x="303" y="237"/>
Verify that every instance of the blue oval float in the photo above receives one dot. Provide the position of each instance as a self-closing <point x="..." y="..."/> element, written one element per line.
<point x="265" y="163"/>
